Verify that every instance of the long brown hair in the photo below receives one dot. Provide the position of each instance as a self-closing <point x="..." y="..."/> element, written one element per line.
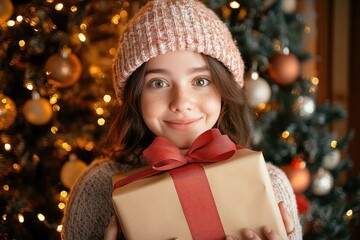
<point x="128" y="133"/>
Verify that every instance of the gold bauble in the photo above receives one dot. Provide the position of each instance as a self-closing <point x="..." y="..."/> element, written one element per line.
<point x="71" y="170"/>
<point x="38" y="111"/>
<point x="8" y="112"/>
<point x="6" y="10"/>
<point x="284" y="69"/>
<point x="63" y="70"/>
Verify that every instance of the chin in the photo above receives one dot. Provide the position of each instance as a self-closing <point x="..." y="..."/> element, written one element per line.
<point x="184" y="142"/>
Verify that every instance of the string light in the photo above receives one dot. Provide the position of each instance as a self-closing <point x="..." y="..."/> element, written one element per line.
<point x="59" y="228"/>
<point x="63" y="194"/>
<point x="262" y="106"/>
<point x="21" y="218"/>
<point x="99" y="111"/>
<point x="56" y="108"/>
<point x="7" y="146"/>
<point x="234" y="5"/>
<point x="16" y="167"/>
<point x="61" y="205"/>
<point x="254" y="75"/>
<point x="6" y="187"/>
<point x="285" y="134"/>
<point x="333" y="143"/>
<point x="312" y="89"/>
<point x="66" y="146"/>
<point x="94" y="70"/>
<point x="286" y="51"/>
<point x="89" y="146"/>
<point x="59" y="6"/>
<point x="315" y="81"/>
<point x="19" y="18"/>
<point x="73" y="8"/>
<point x="348" y="215"/>
<point x="36" y="159"/>
<point x="34" y="21"/>
<point x="115" y="19"/>
<point x="277" y="45"/>
<point x="29" y="85"/>
<point x="82" y="37"/>
<point x="107" y="98"/>
<point x="10" y="23"/>
<point x="41" y="217"/>
<point x="54" y="99"/>
<point x="83" y="26"/>
<point x="112" y="51"/>
<point x="22" y="43"/>
<point x="101" y="121"/>
<point x="54" y="130"/>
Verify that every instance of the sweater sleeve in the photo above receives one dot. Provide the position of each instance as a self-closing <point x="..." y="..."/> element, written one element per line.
<point x="89" y="208"/>
<point x="284" y="192"/>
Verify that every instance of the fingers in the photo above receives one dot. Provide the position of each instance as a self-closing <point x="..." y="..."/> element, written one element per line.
<point x="248" y="234"/>
<point x="112" y="230"/>
<point x="288" y="222"/>
<point x="231" y="238"/>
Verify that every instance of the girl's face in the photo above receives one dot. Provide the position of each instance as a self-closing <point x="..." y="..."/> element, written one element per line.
<point x="179" y="100"/>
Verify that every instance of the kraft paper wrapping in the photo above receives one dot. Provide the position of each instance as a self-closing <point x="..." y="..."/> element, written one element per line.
<point x="150" y="209"/>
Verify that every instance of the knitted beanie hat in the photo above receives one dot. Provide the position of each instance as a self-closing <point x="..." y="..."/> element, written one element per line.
<point x="163" y="26"/>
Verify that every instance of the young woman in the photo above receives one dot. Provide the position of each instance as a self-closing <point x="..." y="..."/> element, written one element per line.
<point x="178" y="73"/>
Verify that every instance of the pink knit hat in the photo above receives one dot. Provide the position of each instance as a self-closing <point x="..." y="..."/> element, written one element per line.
<point x="163" y="26"/>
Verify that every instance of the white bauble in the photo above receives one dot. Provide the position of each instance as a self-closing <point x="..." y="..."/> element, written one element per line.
<point x="257" y="91"/>
<point x="322" y="182"/>
<point x="331" y="160"/>
<point x="304" y="106"/>
<point x="288" y="6"/>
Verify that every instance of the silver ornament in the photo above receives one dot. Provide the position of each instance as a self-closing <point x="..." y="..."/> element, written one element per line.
<point x="322" y="182"/>
<point x="257" y="91"/>
<point x="304" y="106"/>
<point x="257" y="137"/>
<point x="288" y="6"/>
<point x="331" y="160"/>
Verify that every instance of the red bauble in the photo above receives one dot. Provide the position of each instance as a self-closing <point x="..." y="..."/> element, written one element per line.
<point x="298" y="175"/>
<point x="302" y="203"/>
<point x="284" y="69"/>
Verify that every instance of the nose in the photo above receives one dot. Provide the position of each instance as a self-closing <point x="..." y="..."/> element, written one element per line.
<point x="182" y="100"/>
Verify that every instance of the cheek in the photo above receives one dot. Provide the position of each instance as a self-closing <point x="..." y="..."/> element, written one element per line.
<point x="212" y="103"/>
<point x="150" y="109"/>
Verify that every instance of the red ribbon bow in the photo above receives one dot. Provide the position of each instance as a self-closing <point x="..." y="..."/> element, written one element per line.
<point x="161" y="155"/>
<point x="210" y="146"/>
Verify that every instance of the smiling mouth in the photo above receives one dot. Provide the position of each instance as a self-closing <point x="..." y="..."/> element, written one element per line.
<point x="182" y="124"/>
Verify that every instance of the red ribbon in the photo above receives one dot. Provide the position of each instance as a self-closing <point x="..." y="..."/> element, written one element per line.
<point x="190" y="181"/>
<point x="211" y="146"/>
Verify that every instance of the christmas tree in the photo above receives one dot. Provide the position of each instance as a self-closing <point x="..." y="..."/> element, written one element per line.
<point x="56" y="100"/>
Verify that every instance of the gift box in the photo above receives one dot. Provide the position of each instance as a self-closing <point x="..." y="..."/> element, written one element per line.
<point x="150" y="208"/>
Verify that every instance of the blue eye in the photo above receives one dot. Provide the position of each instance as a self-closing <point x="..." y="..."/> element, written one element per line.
<point x="201" y="82"/>
<point x="158" y="84"/>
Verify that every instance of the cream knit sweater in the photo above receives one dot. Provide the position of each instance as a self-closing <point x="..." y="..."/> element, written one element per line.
<point x="89" y="208"/>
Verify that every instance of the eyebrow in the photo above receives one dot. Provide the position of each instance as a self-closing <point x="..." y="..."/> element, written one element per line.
<point x="192" y="70"/>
